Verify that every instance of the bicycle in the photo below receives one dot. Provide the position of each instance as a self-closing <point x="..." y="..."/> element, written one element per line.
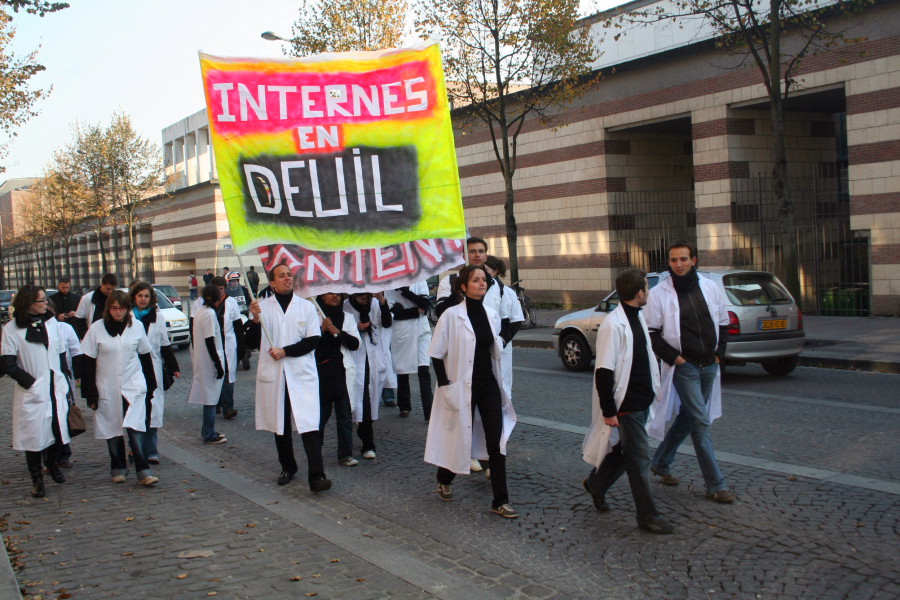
<point x="527" y="305"/>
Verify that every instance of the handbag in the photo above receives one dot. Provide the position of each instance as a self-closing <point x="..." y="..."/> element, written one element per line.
<point x="77" y="426"/>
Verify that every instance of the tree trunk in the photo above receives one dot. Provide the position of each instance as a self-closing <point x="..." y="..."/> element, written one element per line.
<point x="790" y="274"/>
<point x="512" y="231"/>
<point x="103" y="264"/>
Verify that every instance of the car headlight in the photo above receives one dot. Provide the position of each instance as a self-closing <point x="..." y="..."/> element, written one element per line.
<point x="178" y="323"/>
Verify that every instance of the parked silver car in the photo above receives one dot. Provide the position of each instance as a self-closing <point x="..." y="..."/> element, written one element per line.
<point x="766" y="324"/>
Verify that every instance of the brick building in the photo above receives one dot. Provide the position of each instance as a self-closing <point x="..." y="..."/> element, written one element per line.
<point x="675" y="141"/>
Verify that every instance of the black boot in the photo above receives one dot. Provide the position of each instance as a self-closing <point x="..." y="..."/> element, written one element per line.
<point x="53" y="466"/>
<point x="37" y="476"/>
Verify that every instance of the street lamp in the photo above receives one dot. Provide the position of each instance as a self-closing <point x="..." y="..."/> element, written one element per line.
<point x="273" y="37"/>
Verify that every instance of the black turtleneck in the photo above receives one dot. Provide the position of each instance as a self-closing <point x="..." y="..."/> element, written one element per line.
<point x="639" y="394"/>
<point x="482" y="371"/>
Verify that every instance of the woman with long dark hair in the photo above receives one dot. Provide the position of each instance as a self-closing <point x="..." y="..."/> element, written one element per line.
<point x="118" y="381"/>
<point x="33" y="350"/>
<point x="146" y="312"/>
<point x="472" y="416"/>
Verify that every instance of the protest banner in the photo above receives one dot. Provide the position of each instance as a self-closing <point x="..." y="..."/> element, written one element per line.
<point x="334" y="152"/>
<point x="372" y="270"/>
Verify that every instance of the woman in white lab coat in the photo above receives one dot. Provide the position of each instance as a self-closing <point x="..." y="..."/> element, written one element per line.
<point x="472" y="416"/>
<point x="511" y="318"/>
<point x="146" y="312"/>
<point x="32" y="349"/>
<point x="117" y="382"/>
<point x="373" y="320"/>
<point x="207" y="358"/>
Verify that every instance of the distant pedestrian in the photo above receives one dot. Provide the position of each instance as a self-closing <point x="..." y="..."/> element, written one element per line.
<point x="626" y="381"/>
<point x="207" y="277"/>
<point x="118" y="380"/>
<point x="472" y="415"/>
<point x="287" y="382"/>
<point x="207" y="358"/>
<point x="409" y="344"/>
<point x="192" y="285"/>
<point x="231" y="328"/>
<point x="73" y="361"/>
<point x="65" y="301"/>
<point x="31" y="351"/>
<point x="688" y="325"/>
<point x="253" y="280"/>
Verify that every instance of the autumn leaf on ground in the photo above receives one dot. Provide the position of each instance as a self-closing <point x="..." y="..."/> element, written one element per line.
<point x="296" y="578"/>
<point x="129" y="518"/>
<point x="334" y="560"/>
<point x="182" y="576"/>
<point x="361" y="579"/>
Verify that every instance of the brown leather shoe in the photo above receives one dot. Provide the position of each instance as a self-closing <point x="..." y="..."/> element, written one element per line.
<point x="230" y="414"/>
<point x="722" y="497"/>
<point x="665" y="478"/>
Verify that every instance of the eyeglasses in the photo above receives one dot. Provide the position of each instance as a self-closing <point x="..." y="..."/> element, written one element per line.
<point x="42" y="300"/>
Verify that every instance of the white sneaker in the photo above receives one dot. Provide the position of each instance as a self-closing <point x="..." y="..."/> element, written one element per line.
<point x="348" y="462"/>
<point x="118" y="479"/>
<point x="475" y="467"/>
<point x="149" y="480"/>
<point x="369" y="454"/>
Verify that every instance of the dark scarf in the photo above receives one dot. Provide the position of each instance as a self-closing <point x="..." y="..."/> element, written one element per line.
<point x="115" y="328"/>
<point x="364" y="310"/>
<point x="335" y="313"/>
<point x="35" y="330"/>
<point x="148" y="320"/>
<point x="99" y="302"/>
<point x="685" y="283"/>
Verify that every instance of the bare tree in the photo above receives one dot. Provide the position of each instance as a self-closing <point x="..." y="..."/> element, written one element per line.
<point x="759" y="33"/>
<point x="508" y="61"/>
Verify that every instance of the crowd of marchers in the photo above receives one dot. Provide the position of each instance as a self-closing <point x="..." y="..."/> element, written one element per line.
<point x="350" y="355"/>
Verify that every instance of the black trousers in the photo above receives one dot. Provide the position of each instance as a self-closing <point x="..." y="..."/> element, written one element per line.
<point x="364" y="430"/>
<point x="404" y="398"/>
<point x="333" y="394"/>
<point x="51" y="453"/>
<point x="487" y="400"/>
<point x="312" y="445"/>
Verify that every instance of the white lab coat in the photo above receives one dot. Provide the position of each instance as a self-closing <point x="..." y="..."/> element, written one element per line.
<point x="119" y="375"/>
<point x="454" y="438"/>
<point x="158" y="337"/>
<point x="299" y="373"/>
<point x="232" y="314"/>
<point x="512" y="310"/>
<point x="370" y="349"/>
<point x="32" y="409"/>
<point x="205" y="388"/>
<point x="86" y="308"/>
<point x="615" y="352"/>
<point x="410" y="337"/>
<point x="662" y="312"/>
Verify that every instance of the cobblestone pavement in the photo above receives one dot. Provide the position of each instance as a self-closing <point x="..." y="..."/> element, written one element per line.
<point x="382" y="532"/>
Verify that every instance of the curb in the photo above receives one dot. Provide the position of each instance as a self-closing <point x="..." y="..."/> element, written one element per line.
<point x="848" y="364"/>
<point x="9" y="585"/>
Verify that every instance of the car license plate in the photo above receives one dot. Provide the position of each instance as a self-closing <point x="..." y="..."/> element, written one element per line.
<point x="769" y="324"/>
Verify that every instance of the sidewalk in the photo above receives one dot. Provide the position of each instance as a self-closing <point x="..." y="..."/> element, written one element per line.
<point x="859" y="343"/>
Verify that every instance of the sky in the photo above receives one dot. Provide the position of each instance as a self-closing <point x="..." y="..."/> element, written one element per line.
<point x="137" y="56"/>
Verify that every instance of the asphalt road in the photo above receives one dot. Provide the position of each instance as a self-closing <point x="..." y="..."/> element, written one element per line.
<point x="812" y="458"/>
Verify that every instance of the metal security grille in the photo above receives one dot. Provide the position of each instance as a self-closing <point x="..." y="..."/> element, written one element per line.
<point x="643" y="224"/>
<point x="833" y="260"/>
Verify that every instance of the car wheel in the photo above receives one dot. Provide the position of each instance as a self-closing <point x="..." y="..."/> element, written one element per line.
<point x="782" y="366"/>
<point x="575" y="353"/>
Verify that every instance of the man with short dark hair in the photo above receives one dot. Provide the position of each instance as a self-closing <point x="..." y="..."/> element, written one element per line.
<point x="626" y="380"/>
<point x="65" y="302"/>
<point x="207" y="277"/>
<point x="90" y="309"/>
<point x="688" y="325"/>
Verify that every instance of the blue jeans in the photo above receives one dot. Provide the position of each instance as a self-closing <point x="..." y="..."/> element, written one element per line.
<point x="694" y="386"/>
<point x="208" y="430"/>
<point x="226" y="396"/>
<point x="631" y="455"/>
<point x="118" y="462"/>
<point x="150" y="450"/>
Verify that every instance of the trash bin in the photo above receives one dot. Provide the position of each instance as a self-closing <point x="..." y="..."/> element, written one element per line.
<point x="827" y="306"/>
<point x="847" y="302"/>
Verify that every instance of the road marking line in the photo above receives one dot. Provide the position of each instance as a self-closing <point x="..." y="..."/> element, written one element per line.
<point x="747" y="394"/>
<point x="868" y="483"/>
<point x="342" y="534"/>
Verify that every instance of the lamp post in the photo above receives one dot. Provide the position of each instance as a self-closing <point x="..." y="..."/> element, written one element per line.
<point x="273" y="37"/>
